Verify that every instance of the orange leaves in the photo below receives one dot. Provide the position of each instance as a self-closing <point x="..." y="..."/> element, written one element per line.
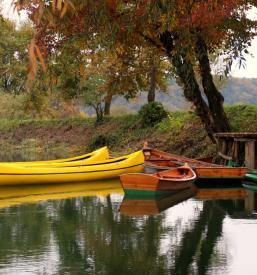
<point x="35" y="56"/>
<point x="64" y="10"/>
<point x="112" y="4"/>
<point x="207" y="13"/>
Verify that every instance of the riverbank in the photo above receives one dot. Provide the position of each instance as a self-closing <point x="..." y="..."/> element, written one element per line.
<point x="180" y="133"/>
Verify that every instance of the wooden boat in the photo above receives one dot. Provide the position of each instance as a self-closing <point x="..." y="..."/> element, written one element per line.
<point x="138" y="206"/>
<point x="27" y="194"/>
<point x="156" y="160"/>
<point x="100" y="154"/>
<point x="220" y="173"/>
<point x="159" y="183"/>
<point x="112" y="168"/>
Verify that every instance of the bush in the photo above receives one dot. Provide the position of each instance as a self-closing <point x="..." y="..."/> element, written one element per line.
<point x="152" y="114"/>
<point x="103" y="140"/>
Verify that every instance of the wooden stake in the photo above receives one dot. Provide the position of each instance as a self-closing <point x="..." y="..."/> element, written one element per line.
<point x="250" y="154"/>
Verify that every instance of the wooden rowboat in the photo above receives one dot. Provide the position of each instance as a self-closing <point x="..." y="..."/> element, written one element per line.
<point x="159" y="183"/>
<point x="106" y="169"/>
<point x="156" y="160"/>
<point x="159" y="160"/>
<point x="97" y="155"/>
<point x="221" y="173"/>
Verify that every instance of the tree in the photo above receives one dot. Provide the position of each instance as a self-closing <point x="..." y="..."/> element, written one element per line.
<point x="187" y="31"/>
<point x="13" y="56"/>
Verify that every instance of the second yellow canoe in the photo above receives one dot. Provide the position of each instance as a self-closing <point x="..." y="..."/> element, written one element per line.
<point x="97" y="155"/>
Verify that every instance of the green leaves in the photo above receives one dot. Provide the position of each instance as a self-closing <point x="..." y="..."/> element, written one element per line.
<point x="152" y="113"/>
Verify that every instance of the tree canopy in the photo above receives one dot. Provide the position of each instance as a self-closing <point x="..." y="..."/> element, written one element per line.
<point x="186" y="32"/>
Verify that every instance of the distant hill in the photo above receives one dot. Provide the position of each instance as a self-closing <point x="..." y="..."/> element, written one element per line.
<point x="234" y="90"/>
<point x="240" y="90"/>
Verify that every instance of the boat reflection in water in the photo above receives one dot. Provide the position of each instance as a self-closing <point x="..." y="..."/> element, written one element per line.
<point x="238" y="196"/>
<point x="71" y="231"/>
<point x="143" y="205"/>
<point x="14" y="195"/>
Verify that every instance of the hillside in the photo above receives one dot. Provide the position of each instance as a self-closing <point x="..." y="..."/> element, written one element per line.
<point x="235" y="91"/>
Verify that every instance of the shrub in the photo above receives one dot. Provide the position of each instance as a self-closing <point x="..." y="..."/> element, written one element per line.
<point x="152" y="113"/>
<point x="103" y="140"/>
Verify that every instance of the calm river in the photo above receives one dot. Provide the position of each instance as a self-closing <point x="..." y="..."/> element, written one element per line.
<point x="89" y="228"/>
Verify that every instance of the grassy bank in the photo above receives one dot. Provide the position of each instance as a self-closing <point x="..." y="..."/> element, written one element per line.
<point x="180" y="133"/>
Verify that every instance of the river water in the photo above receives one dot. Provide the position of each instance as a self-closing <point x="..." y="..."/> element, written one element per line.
<point x="90" y="228"/>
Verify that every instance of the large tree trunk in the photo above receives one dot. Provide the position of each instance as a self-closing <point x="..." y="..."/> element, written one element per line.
<point x="151" y="92"/>
<point x="214" y="97"/>
<point x="107" y="104"/>
<point x="186" y="74"/>
<point x="192" y="92"/>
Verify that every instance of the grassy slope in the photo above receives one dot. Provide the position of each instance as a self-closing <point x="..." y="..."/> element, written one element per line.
<point x="181" y="133"/>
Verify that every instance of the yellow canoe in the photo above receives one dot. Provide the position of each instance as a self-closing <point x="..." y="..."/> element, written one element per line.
<point x="97" y="155"/>
<point x="106" y="169"/>
<point x="14" y="195"/>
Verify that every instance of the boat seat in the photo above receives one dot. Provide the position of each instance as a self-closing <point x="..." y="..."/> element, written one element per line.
<point x="168" y="177"/>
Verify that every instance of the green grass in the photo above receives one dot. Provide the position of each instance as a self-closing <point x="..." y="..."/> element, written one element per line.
<point x="243" y="118"/>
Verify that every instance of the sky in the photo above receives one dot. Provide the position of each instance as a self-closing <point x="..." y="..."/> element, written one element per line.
<point x="250" y="71"/>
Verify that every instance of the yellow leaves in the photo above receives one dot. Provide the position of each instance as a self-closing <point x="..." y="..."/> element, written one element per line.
<point x="64" y="10"/>
<point x="59" y="5"/>
<point x="70" y="4"/>
<point x="119" y="49"/>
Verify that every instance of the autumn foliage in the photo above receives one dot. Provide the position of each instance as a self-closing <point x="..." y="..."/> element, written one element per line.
<point x="184" y="31"/>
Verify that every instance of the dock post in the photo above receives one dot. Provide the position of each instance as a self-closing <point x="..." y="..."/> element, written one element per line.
<point x="249" y="202"/>
<point x="250" y="154"/>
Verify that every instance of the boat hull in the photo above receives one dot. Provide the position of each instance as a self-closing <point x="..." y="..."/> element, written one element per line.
<point x="206" y="173"/>
<point x="159" y="184"/>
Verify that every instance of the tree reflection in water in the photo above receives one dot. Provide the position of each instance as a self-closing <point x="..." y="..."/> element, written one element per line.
<point x="92" y="237"/>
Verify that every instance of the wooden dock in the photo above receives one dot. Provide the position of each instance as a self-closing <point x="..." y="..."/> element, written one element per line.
<point x="238" y="147"/>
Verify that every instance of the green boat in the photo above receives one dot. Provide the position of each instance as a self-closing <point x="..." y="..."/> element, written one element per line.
<point x="251" y="175"/>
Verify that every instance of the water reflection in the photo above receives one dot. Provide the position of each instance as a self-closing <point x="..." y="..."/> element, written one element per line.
<point x="82" y="229"/>
<point x="12" y="195"/>
<point x="138" y="206"/>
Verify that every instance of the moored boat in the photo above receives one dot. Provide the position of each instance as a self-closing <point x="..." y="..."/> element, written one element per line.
<point x="251" y="175"/>
<point x="112" y="168"/>
<point x="97" y="155"/>
<point x="159" y="183"/>
<point x="156" y="160"/>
